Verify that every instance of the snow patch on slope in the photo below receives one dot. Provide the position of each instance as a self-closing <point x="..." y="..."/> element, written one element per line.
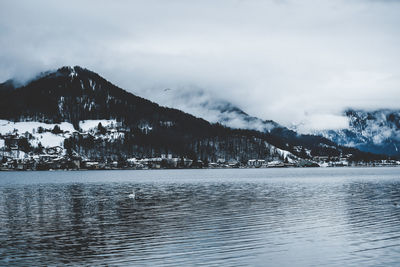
<point x="88" y="125"/>
<point x="283" y="154"/>
<point x="41" y="133"/>
<point x="8" y="127"/>
<point x="48" y="139"/>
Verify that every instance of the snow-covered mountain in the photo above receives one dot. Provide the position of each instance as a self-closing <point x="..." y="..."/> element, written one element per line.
<point x="372" y="131"/>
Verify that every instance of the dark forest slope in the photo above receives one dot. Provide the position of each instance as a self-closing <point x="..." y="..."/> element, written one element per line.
<point x="73" y="94"/>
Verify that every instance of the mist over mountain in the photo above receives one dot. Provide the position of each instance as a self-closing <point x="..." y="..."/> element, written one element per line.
<point x="202" y="103"/>
<point x="75" y="95"/>
<point x="375" y="131"/>
<point x="371" y="131"/>
<point x="278" y="60"/>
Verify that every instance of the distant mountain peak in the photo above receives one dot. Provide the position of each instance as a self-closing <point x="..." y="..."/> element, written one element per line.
<point x="71" y="69"/>
<point x="376" y="131"/>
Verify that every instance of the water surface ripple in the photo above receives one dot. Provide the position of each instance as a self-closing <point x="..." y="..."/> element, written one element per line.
<point x="253" y="217"/>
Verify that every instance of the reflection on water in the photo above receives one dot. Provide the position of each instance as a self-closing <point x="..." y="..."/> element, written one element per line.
<point x="207" y="217"/>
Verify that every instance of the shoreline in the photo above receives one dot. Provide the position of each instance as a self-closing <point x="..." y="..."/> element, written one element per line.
<point x="205" y="168"/>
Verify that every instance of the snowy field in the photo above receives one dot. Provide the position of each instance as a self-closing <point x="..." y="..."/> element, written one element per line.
<point x="45" y="137"/>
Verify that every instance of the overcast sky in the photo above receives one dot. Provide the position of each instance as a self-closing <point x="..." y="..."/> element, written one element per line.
<point x="290" y="61"/>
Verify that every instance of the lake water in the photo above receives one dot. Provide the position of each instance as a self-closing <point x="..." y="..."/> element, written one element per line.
<point x="231" y="217"/>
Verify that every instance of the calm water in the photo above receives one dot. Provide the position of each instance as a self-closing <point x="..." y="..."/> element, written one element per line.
<point x="256" y="217"/>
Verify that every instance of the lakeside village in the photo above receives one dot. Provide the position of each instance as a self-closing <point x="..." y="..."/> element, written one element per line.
<point x="44" y="150"/>
<point x="56" y="158"/>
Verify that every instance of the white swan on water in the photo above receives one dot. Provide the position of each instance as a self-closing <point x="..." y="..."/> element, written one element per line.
<point x="132" y="195"/>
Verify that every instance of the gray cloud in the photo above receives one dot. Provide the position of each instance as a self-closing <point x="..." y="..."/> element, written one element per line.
<point x="282" y="60"/>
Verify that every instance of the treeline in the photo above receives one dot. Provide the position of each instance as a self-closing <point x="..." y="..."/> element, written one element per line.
<point x="77" y="94"/>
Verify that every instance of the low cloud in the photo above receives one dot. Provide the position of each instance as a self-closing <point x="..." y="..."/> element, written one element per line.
<point x="289" y="61"/>
<point x="319" y="122"/>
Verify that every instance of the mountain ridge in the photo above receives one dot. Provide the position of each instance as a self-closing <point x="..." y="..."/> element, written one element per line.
<point x="75" y="94"/>
<point x="381" y="137"/>
<point x="376" y="131"/>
